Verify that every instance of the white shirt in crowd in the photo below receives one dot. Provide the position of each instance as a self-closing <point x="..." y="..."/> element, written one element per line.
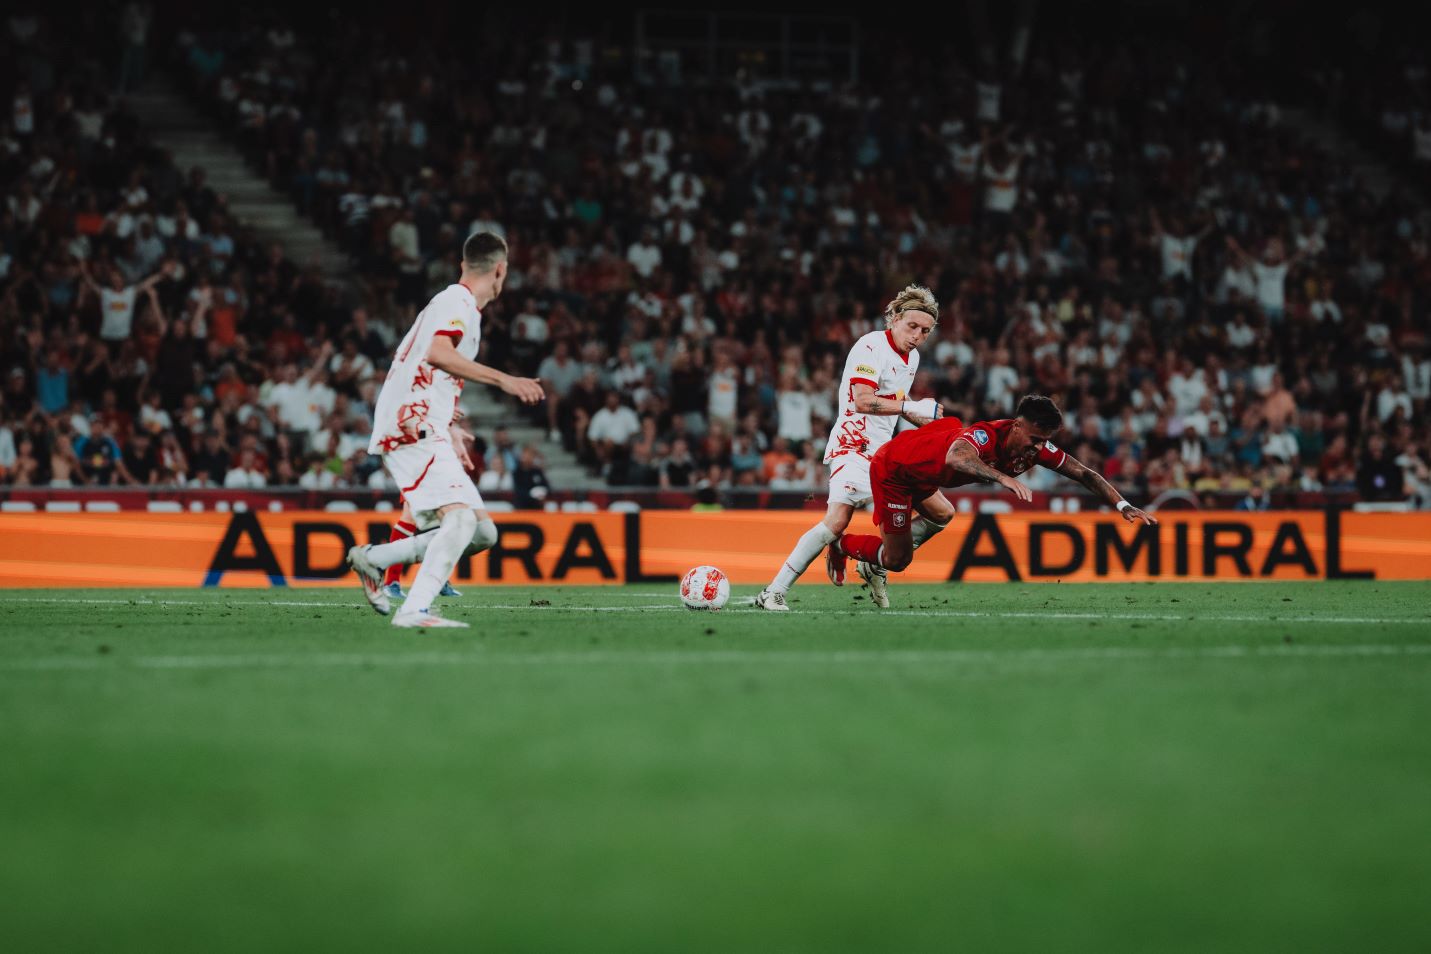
<point x="722" y="394"/>
<point x="617" y="426"/>
<point x="1271" y="285"/>
<point x="494" y="480"/>
<point x="240" y="479"/>
<point x="1281" y="445"/>
<point x="302" y="405"/>
<point x="794" y="412"/>
<point x="1417" y="375"/>
<point x="1000" y="385"/>
<point x="1187" y="391"/>
<point x="117" y="313"/>
<point x="1177" y="255"/>
<point x="644" y="258"/>
<point x="1387" y="401"/>
<point x="1001" y="191"/>
<point x="989" y="95"/>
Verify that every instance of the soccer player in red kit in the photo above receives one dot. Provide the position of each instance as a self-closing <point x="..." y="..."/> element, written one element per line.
<point x="907" y="473"/>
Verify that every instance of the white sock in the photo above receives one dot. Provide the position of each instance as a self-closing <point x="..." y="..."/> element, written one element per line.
<point x="924" y="528"/>
<point x="811" y="544"/>
<point x="443" y="552"/>
<point x="404" y="551"/>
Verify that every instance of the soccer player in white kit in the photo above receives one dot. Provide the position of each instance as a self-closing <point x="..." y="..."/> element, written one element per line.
<point x="410" y="430"/>
<point x="878" y="374"/>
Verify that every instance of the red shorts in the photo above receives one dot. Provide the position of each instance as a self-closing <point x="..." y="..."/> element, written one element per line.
<point x="894" y="500"/>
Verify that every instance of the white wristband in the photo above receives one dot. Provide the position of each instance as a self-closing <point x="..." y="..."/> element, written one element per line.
<point x="925" y="408"/>
<point x="1123" y="506"/>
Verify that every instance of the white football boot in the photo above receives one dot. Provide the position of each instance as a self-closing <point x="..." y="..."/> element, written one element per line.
<point x="372" y="579"/>
<point x="878" y="579"/>
<point x="422" y="619"/>
<point x="771" y="600"/>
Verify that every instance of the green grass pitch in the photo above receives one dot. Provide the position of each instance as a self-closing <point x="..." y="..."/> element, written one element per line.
<point x="1157" y="767"/>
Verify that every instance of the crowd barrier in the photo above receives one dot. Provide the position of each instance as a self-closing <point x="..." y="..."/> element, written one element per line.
<point x="252" y="548"/>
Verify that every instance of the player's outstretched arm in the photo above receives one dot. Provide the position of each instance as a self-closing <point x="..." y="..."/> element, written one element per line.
<point x="918" y="413"/>
<point x="442" y="354"/>
<point x="1095" y="482"/>
<point x="964" y="459"/>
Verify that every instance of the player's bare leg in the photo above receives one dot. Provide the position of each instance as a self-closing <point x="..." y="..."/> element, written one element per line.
<point x="807" y="548"/>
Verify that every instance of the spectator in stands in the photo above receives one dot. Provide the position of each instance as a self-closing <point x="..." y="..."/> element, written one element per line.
<point x="1379" y="477"/>
<point x="246" y="474"/>
<point x="611" y="431"/>
<point x="529" y="481"/>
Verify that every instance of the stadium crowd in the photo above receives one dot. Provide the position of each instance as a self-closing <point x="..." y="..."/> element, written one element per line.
<point x="1218" y="306"/>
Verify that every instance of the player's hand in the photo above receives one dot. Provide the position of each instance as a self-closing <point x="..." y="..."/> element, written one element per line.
<point x="1133" y="515"/>
<point x="1019" y="489"/>
<point x="526" y="390"/>
<point x="460" y="439"/>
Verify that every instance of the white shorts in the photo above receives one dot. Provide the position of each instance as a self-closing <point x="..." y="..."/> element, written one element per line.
<point x="430" y="477"/>
<point x="850" y="480"/>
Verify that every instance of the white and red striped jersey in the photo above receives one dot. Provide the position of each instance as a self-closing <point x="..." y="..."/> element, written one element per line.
<point x="875" y="361"/>
<point x="417" y="398"/>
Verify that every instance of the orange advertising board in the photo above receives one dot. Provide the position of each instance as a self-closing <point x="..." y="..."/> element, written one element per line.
<point x="307" y="548"/>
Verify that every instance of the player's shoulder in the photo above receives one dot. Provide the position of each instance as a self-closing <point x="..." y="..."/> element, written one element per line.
<point x="871" y="343"/>
<point x="984" y="434"/>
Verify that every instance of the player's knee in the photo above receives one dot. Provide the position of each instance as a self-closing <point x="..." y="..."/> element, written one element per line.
<point x="484" y="537"/>
<point x="462" y="519"/>
<point x="897" y="561"/>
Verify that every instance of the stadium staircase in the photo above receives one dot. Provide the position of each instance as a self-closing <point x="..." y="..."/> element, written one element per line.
<point x="175" y="125"/>
<point x="563" y="470"/>
<point x="166" y="113"/>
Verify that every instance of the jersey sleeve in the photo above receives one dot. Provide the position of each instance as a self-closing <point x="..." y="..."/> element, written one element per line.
<point x="452" y="320"/>
<point x="981" y="438"/>
<point x="1051" y="456"/>
<point x="862" y="366"/>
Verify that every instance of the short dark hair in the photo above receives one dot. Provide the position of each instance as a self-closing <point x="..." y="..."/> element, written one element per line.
<point x="483" y="250"/>
<point x="1040" y="411"/>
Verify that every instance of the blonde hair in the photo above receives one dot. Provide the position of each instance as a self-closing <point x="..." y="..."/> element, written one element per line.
<point x="912" y="298"/>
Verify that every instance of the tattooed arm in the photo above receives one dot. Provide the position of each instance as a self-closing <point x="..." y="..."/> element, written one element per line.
<point x="1095" y="482"/>
<point x="964" y="459"/>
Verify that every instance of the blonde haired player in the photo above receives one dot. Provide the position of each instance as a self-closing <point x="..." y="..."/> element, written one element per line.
<point x="411" y="429"/>
<point x="878" y="374"/>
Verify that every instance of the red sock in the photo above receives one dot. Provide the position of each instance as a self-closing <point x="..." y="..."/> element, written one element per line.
<point x="861" y="546"/>
<point x="401" y="530"/>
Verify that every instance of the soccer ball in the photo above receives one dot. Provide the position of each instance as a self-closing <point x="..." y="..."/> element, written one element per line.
<point x="704" y="588"/>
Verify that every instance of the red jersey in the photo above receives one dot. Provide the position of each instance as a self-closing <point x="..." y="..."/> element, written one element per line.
<point x="916" y="458"/>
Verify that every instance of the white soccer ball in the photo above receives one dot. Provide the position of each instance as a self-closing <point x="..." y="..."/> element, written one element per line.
<point x="705" y="588"/>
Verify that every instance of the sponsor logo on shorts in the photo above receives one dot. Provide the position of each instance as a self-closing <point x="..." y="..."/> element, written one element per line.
<point x="981" y="436"/>
<point x="895" y="506"/>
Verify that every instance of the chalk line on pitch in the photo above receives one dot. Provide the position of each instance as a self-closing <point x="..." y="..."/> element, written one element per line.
<point x="699" y="657"/>
<point x="926" y="614"/>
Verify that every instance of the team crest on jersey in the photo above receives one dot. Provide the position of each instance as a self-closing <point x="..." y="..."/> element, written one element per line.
<point x="980" y="436"/>
<point x="865" y="369"/>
